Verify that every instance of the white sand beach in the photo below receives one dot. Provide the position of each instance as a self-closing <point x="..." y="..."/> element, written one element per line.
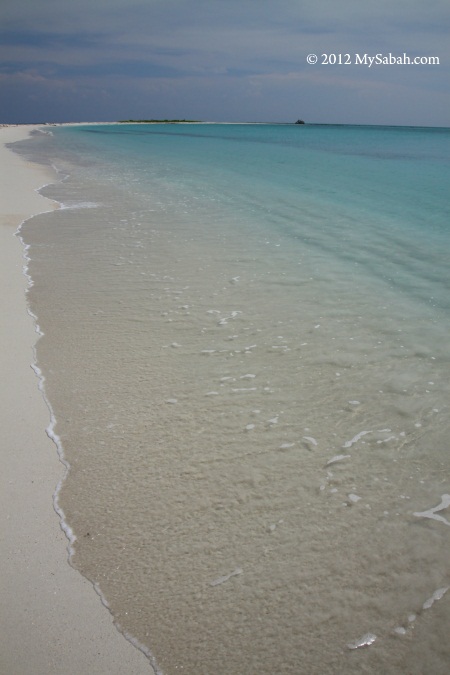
<point x="52" y="621"/>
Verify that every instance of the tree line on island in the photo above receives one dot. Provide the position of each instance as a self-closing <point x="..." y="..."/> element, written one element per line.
<point x="173" y="122"/>
<point x="157" y="121"/>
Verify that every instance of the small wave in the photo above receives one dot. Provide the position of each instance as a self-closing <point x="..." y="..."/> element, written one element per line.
<point x="50" y="430"/>
<point x="79" y="205"/>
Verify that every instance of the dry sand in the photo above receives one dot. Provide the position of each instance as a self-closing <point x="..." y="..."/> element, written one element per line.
<point x="52" y="621"/>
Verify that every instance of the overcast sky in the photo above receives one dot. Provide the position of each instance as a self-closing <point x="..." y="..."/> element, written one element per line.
<point x="223" y="60"/>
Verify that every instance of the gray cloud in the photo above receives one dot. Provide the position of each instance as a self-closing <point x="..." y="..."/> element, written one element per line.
<point x="221" y="59"/>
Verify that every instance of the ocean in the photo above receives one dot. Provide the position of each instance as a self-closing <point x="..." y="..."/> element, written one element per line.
<point x="244" y="345"/>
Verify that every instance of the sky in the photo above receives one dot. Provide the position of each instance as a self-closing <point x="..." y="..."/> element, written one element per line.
<point x="224" y="60"/>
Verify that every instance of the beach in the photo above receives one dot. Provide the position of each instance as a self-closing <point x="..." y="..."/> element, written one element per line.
<point x="241" y="333"/>
<point x="53" y="622"/>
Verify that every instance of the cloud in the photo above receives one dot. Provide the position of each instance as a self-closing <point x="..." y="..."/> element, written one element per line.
<point x="215" y="46"/>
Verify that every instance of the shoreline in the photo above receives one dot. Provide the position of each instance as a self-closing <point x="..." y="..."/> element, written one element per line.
<point x="53" y="621"/>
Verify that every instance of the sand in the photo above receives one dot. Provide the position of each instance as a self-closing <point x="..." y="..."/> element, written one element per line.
<point x="52" y="621"/>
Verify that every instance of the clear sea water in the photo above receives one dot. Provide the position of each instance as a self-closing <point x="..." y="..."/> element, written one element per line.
<point x="246" y="353"/>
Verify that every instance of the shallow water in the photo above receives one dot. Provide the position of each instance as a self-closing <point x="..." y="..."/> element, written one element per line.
<point x="246" y="354"/>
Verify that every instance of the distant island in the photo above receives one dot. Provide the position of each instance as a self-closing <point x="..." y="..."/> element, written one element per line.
<point x="154" y="121"/>
<point x="158" y="121"/>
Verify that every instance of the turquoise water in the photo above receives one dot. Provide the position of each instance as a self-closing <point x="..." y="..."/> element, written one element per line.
<point x="245" y="349"/>
<point x="375" y="194"/>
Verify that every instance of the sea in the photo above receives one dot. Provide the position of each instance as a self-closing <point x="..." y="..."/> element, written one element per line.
<point x="244" y="347"/>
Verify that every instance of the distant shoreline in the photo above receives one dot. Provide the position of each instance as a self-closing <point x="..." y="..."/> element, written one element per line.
<point x="38" y="125"/>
